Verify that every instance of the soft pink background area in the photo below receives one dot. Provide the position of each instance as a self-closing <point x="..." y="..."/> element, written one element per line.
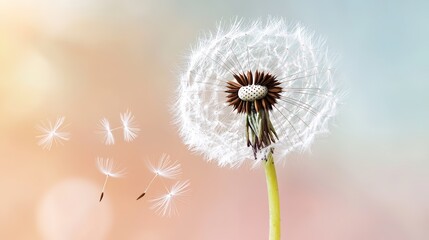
<point x="91" y="59"/>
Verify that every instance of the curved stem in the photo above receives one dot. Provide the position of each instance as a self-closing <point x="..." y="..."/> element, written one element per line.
<point x="105" y="182"/>
<point x="150" y="183"/>
<point x="273" y="198"/>
<point x="148" y="186"/>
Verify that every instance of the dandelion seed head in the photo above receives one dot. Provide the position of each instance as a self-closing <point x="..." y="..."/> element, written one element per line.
<point x="166" y="168"/>
<point x="52" y="133"/>
<point x="244" y="74"/>
<point x="108" y="167"/>
<point x="165" y="205"/>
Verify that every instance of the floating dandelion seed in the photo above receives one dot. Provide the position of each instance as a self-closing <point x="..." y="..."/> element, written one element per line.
<point x="51" y="133"/>
<point x="165" y="168"/>
<point x="256" y="92"/>
<point x="165" y="205"/>
<point x="107" y="132"/>
<point x="128" y="127"/>
<point x="250" y="89"/>
<point x="107" y="167"/>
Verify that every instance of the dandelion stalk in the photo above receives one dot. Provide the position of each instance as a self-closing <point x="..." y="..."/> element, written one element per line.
<point x="273" y="198"/>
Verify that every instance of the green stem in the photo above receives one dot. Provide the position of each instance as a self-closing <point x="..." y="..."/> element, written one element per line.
<point x="273" y="198"/>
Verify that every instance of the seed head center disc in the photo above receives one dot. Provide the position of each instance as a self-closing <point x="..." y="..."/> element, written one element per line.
<point x="251" y="93"/>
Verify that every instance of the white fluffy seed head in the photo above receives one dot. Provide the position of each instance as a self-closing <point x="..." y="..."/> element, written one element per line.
<point x="128" y="125"/>
<point x="52" y="133"/>
<point x="106" y="130"/>
<point x="165" y="205"/>
<point x="166" y="168"/>
<point x="252" y="92"/>
<point x="108" y="167"/>
<point x="300" y="62"/>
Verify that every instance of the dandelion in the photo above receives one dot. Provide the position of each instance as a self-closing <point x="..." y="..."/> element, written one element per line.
<point x="165" y="168"/>
<point x="107" y="167"/>
<point x="165" y="205"/>
<point x="256" y="92"/>
<point x="52" y="133"/>
<point x="130" y="130"/>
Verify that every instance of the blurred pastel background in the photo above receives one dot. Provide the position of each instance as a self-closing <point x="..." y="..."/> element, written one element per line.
<point x="88" y="59"/>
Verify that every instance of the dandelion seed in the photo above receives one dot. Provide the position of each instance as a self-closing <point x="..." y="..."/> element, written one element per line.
<point x="250" y="89"/>
<point x="107" y="167"/>
<point x="107" y="132"/>
<point x="52" y="133"/>
<point x="165" y="168"/>
<point x="128" y="125"/>
<point x="165" y="205"/>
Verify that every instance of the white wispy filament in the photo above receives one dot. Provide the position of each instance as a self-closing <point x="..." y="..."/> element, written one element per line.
<point x="107" y="132"/>
<point x="128" y="125"/>
<point x="52" y="133"/>
<point x="165" y="205"/>
<point x="166" y="168"/>
<point x="297" y="59"/>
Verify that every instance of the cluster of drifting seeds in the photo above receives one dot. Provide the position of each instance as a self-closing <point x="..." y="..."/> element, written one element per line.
<point x="128" y="126"/>
<point x="168" y="169"/>
<point x="53" y="133"/>
<point x="163" y="204"/>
